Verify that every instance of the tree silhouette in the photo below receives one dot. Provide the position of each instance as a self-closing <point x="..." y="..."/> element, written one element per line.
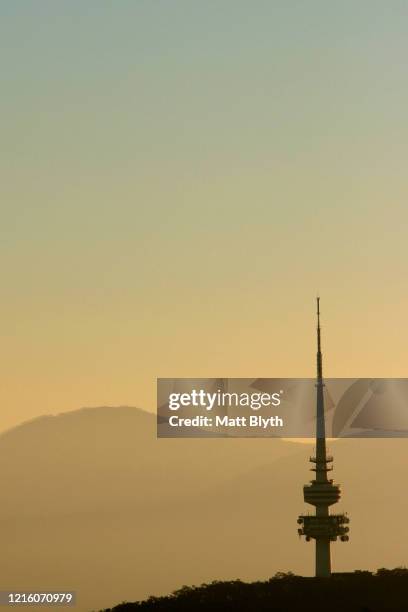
<point x="359" y="591"/>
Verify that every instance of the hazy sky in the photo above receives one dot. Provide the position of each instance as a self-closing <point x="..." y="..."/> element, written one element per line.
<point x="181" y="176"/>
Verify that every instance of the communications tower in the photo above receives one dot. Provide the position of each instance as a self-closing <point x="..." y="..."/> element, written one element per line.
<point x="323" y="527"/>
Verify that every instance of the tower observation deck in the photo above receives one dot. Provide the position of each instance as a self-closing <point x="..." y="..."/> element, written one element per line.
<point x="321" y="492"/>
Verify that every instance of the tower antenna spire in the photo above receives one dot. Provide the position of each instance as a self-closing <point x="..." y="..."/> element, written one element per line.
<point x="323" y="527"/>
<point x="319" y="343"/>
<point x="320" y="424"/>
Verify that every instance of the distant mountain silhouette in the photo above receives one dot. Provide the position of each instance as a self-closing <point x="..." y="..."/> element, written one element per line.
<point x="93" y="502"/>
<point x="106" y="459"/>
<point x="87" y="495"/>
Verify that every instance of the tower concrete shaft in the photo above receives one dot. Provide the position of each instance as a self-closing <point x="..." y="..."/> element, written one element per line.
<point x="323" y="527"/>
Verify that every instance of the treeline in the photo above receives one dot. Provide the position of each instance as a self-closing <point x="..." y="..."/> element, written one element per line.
<point x="359" y="591"/>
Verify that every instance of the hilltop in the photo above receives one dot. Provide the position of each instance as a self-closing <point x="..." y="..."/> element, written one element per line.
<point x="361" y="591"/>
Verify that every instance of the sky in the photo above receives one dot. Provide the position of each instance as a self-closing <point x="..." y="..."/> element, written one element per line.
<point x="179" y="180"/>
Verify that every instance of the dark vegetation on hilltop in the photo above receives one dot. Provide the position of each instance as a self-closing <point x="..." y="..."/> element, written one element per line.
<point x="359" y="591"/>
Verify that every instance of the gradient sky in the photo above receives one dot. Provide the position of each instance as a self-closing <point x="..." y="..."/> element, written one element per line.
<point x="181" y="177"/>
